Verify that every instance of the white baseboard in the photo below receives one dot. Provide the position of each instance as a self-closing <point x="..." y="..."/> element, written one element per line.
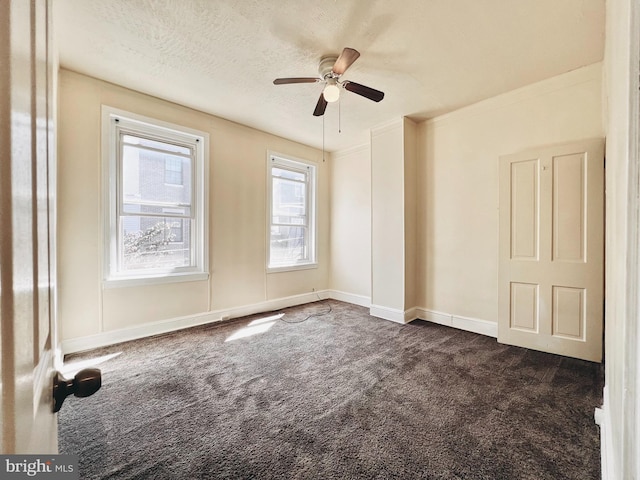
<point x="104" y="339"/>
<point x="602" y="419"/>
<point x="475" y="325"/>
<point x="410" y="315"/>
<point x="353" y="298"/>
<point x="483" y="327"/>
<point x="435" y="317"/>
<point x="165" y="326"/>
<point x="393" y="314"/>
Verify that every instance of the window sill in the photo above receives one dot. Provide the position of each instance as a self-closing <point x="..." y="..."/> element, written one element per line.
<point x="154" y="280"/>
<point x="292" y="268"/>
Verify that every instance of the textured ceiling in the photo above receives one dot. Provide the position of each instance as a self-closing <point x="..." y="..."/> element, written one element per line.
<point x="428" y="56"/>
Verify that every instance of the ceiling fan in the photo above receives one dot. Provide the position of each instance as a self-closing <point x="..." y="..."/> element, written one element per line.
<point x="331" y="68"/>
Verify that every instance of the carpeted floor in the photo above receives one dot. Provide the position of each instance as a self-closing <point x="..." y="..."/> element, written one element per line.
<point x="339" y="396"/>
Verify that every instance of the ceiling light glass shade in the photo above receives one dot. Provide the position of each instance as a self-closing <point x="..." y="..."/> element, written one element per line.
<point x="331" y="92"/>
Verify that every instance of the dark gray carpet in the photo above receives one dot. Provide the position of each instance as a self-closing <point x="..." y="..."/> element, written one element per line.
<point x="340" y="396"/>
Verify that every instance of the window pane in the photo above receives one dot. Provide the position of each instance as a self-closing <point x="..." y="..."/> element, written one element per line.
<point x="289" y="202"/>
<point x="144" y="177"/>
<point x="155" y="242"/>
<point x="293" y="175"/>
<point x="288" y="245"/>
<point x="157" y="209"/>
<point x="167" y="147"/>
<point x="173" y="171"/>
<point x="291" y="218"/>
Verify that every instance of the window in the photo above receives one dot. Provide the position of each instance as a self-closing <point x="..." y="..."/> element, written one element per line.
<point x="173" y="171"/>
<point x="292" y="190"/>
<point x="154" y="230"/>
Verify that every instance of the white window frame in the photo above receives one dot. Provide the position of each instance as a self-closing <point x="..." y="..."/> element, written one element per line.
<point x="311" y="169"/>
<point x="114" y="121"/>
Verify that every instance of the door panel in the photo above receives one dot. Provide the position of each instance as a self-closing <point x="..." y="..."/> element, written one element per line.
<point x="27" y="320"/>
<point x="569" y="208"/>
<point x="524" y="210"/>
<point x="550" y="285"/>
<point x="524" y="307"/>
<point x="568" y="312"/>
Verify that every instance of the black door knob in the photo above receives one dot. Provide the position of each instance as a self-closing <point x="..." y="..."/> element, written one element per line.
<point x="85" y="383"/>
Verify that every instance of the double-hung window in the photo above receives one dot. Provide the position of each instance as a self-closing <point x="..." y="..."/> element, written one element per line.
<point x="292" y="219"/>
<point x="156" y="174"/>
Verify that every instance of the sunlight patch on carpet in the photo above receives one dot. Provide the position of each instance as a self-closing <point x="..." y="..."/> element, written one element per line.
<point x="260" y="325"/>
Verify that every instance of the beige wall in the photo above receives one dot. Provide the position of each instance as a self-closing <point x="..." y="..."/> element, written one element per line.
<point x="458" y="182"/>
<point x="351" y="221"/>
<point x="237" y="217"/>
<point x="387" y="217"/>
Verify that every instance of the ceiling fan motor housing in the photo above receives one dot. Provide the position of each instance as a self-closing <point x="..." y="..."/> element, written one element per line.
<point x="325" y="68"/>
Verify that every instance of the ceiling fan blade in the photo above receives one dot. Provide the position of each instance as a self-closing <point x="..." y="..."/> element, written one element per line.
<point x="283" y="81"/>
<point x="367" y="92"/>
<point x="345" y="60"/>
<point x="321" y="106"/>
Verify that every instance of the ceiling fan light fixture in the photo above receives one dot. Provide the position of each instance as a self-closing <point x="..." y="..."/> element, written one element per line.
<point x="331" y="92"/>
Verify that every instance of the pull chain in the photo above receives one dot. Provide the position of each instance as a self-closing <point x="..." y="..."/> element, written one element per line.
<point x="323" y="138"/>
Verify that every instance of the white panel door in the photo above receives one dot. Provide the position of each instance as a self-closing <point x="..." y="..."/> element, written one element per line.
<point x="551" y="272"/>
<point x="27" y="239"/>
